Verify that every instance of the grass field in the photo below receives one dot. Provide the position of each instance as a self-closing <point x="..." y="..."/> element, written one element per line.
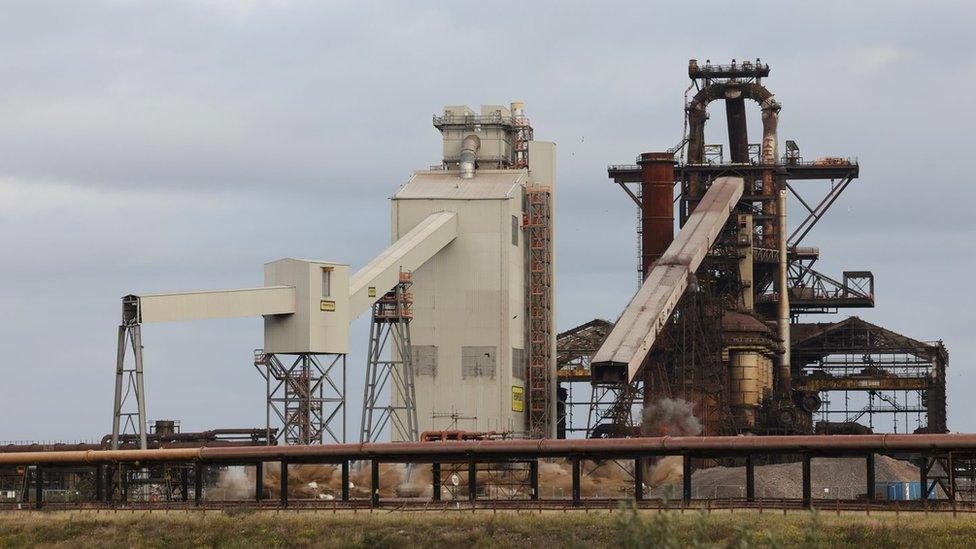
<point x="623" y="528"/>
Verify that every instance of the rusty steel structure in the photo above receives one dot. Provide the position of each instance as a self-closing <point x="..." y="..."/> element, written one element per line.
<point x="539" y="290"/>
<point x="523" y="455"/>
<point x="737" y="345"/>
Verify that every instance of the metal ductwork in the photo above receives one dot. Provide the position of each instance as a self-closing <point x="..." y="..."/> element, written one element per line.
<point x="469" y="153"/>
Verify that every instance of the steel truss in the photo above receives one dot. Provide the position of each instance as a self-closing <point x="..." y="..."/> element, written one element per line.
<point x="539" y="228"/>
<point x="889" y="375"/>
<point x="694" y="367"/>
<point x="308" y="396"/>
<point x="129" y="383"/>
<point x="390" y="327"/>
<point x="615" y="410"/>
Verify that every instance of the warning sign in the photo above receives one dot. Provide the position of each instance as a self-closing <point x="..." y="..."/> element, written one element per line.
<point x="327" y="305"/>
<point x="371" y="292"/>
<point x="518" y="399"/>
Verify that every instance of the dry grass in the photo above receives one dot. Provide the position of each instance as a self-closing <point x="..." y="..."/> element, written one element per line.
<point x="623" y="528"/>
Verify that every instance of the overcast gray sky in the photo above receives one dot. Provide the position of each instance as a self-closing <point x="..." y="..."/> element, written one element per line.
<point x="179" y="145"/>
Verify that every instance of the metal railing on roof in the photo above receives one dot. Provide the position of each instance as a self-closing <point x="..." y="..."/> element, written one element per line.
<point x="450" y="119"/>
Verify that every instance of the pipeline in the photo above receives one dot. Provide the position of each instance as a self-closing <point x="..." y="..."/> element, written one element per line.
<point x="469" y="153"/>
<point x="782" y="283"/>
<point x="483" y="450"/>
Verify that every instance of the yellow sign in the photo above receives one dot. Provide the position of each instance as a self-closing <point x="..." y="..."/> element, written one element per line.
<point x="327" y="305"/>
<point x="518" y="399"/>
<point x="371" y="291"/>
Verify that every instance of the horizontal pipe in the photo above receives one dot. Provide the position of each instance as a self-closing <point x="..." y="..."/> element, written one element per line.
<point x="462" y="450"/>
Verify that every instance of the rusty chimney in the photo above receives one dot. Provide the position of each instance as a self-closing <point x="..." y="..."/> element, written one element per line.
<point x="657" y="206"/>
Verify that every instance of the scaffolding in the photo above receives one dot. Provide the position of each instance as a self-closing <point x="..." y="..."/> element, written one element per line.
<point x="391" y="327"/>
<point x="539" y="229"/>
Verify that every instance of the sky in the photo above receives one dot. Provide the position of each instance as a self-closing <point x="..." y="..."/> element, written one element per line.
<point x="149" y="146"/>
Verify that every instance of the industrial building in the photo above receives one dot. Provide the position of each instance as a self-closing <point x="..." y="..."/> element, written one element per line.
<point x="724" y="315"/>
<point x="462" y="334"/>
<point x="463" y="347"/>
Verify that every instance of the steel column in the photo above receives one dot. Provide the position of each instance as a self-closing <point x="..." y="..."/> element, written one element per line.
<point x="639" y="479"/>
<point x="259" y="481"/>
<point x="136" y="333"/>
<point x="283" y="488"/>
<point x="472" y="480"/>
<point x="534" y="478"/>
<point x="374" y="481"/>
<point x="686" y="478"/>
<point x="38" y="487"/>
<point x="435" y="480"/>
<point x="870" y="477"/>
<point x="119" y="375"/>
<point x="923" y="472"/>
<point x="750" y="479"/>
<point x="198" y="484"/>
<point x="184" y="484"/>
<point x="345" y="480"/>
<point x="576" y="480"/>
<point x="124" y="480"/>
<point x="99" y="482"/>
<point x="807" y="497"/>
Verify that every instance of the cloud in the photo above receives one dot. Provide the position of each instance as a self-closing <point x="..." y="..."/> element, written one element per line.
<point x="180" y="145"/>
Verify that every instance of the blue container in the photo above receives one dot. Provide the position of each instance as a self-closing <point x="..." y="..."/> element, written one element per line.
<point x="904" y="491"/>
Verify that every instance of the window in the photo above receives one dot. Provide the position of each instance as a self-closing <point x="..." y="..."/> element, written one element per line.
<point x="326" y="281"/>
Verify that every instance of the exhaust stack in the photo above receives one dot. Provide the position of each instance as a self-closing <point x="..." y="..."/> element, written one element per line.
<point x="469" y="153"/>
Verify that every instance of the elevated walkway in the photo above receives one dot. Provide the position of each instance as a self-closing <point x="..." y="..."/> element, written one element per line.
<point x="622" y="355"/>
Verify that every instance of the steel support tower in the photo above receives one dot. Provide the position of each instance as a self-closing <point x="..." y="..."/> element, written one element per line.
<point x="391" y="328"/>
<point x="306" y="392"/>
<point x="129" y="416"/>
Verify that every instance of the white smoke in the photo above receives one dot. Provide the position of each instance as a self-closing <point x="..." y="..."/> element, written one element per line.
<point x="670" y="416"/>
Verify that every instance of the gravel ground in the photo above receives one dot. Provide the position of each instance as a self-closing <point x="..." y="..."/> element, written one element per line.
<point x="832" y="478"/>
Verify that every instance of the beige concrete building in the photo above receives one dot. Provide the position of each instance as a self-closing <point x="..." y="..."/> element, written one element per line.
<point x="470" y="330"/>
